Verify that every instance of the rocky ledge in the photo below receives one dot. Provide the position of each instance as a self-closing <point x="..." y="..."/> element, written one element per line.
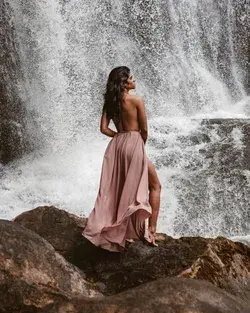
<point x="33" y="274"/>
<point x="46" y="265"/>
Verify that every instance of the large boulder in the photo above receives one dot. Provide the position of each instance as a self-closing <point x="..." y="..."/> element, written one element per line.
<point x="169" y="295"/>
<point x="60" y="228"/>
<point x="32" y="274"/>
<point x="223" y="262"/>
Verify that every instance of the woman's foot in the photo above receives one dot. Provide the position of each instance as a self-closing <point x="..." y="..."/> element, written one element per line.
<point x="152" y="236"/>
<point x="130" y="240"/>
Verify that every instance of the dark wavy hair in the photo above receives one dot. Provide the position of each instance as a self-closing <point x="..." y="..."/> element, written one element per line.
<point x="114" y="91"/>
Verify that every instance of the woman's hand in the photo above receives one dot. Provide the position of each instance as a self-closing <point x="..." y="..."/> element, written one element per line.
<point x="104" y="129"/>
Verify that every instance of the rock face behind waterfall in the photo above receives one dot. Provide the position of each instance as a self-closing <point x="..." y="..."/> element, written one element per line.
<point x="224" y="263"/>
<point x="13" y="141"/>
<point x="242" y="39"/>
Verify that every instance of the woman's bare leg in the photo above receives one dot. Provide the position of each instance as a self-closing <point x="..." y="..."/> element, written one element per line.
<point x="154" y="199"/>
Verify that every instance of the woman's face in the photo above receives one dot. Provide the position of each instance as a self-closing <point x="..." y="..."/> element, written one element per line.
<point x="130" y="84"/>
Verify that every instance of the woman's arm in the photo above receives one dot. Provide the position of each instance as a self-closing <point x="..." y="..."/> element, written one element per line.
<point x="142" y="119"/>
<point x="104" y="126"/>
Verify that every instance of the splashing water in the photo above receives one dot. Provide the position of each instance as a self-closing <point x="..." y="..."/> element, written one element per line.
<point x="188" y="60"/>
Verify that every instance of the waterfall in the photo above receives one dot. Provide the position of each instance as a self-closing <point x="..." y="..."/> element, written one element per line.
<point x="190" y="61"/>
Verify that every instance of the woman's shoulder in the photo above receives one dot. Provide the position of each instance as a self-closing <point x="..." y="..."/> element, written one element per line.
<point x="135" y="99"/>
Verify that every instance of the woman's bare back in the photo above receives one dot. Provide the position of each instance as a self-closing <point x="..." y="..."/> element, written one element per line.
<point x="133" y="117"/>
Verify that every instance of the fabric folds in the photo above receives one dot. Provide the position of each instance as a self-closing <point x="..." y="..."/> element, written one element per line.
<point x="122" y="205"/>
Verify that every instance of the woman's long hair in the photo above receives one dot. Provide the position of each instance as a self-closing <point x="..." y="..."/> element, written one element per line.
<point x="114" y="91"/>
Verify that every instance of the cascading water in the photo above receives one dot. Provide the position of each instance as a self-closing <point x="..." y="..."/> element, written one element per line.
<point x="190" y="61"/>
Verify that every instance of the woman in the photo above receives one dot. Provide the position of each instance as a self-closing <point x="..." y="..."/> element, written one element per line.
<point x="129" y="190"/>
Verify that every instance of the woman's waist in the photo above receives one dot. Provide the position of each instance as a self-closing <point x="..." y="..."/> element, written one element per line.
<point x="128" y="131"/>
<point x="127" y="138"/>
<point x="128" y="135"/>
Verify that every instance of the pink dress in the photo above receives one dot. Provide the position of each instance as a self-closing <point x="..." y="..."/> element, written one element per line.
<point x="122" y="205"/>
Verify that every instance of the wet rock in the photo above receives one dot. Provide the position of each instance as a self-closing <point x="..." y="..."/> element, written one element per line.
<point x="246" y="132"/>
<point x="32" y="274"/>
<point x="224" y="263"/>
<point x="60" y="228"/>
<point x="169" y="295"/>
<point x="199" y="138"/>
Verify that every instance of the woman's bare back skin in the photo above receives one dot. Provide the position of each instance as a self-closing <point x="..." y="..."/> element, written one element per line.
<point x="133" y="118"/>
<point x="132" y="114"/>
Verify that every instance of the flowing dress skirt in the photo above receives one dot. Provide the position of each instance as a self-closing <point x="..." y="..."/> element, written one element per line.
<point x="122" y="205"/>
